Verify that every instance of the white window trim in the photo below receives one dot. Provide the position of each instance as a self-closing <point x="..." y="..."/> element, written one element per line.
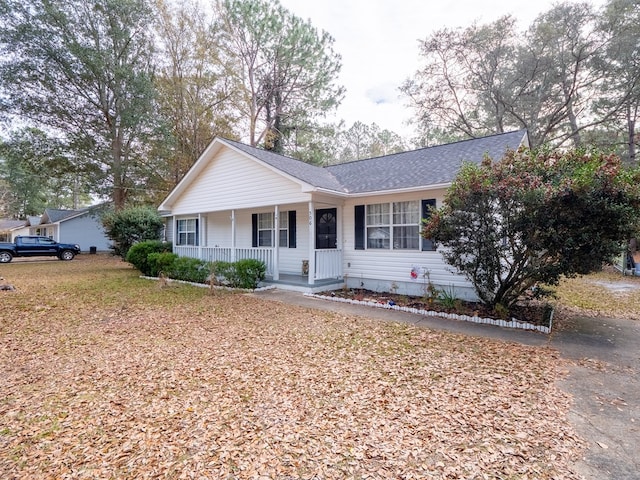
<point x="390" y="225"/>
<point x="187" y="231"/>
<point x="283" y="218"/>
<point x="270" y="228"/>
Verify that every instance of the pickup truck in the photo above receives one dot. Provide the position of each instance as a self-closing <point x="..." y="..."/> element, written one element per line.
<point x="35" y="246"/>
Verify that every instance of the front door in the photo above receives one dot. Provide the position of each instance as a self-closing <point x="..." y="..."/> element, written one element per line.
<point x="326" y="228"/>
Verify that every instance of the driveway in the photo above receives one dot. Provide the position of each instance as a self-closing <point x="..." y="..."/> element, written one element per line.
<point x="603" y="359"/>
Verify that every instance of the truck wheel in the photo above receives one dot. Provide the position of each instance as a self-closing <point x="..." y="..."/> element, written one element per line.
<point x="5" y="257"/>
<point x="67" y="255"/>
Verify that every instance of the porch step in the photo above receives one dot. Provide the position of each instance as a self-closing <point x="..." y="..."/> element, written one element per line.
<point x="300" y="283"/>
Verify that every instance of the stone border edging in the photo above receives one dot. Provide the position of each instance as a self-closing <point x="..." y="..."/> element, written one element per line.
<point x="216" y="287"/>
<point x="514" y="323"/>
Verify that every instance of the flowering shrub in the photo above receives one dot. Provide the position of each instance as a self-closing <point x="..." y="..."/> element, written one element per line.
<point x="533" y="217"/>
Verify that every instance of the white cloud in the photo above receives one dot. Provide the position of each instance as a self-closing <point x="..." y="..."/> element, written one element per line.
<point x="383" y="93"/>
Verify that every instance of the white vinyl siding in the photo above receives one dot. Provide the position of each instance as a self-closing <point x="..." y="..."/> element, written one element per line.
<point x="218" y="229"/>
<point x="233" y="181"/>
<point x="379" y="269"/>
<point x="291" y="258"/>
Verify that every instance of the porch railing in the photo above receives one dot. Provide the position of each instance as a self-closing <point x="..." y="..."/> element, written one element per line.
<point x="328" y="264"/>
<point x="224" y="254"/>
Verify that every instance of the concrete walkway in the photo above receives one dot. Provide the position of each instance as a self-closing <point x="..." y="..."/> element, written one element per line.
<point x="603" y="376"/>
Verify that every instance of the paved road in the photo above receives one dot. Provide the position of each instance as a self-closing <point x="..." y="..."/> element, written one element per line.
<point x="603" y="378"/>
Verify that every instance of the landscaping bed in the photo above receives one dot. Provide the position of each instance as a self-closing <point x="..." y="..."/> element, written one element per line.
<point x="531" y="316"/>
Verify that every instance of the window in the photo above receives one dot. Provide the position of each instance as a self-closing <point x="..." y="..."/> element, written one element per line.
<point x="188" y="231"/>
<point x="389" y="226"/>
<point x="406" y="217"/>
<point x="378" y="231"/>
<point x="264" y="229"/>
<point x="284" y="229"/>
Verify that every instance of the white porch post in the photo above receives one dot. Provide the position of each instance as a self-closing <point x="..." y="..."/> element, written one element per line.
<point x="200" y="236"/>
<point x="312" y="244"/>
<point x="233" y="235"/>
<point x="276" y="251"/>
<point x="175" y="230"/>
<point x="339" y="239"/>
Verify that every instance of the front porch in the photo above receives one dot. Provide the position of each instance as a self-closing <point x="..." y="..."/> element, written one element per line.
<point x="299" y="243"/>
<point x="324" y="273"/>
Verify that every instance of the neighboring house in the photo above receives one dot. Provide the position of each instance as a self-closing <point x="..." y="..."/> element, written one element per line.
<point x="316" y="228"/>
<point x="83" y="227"/>
<point x="10" y="229"/>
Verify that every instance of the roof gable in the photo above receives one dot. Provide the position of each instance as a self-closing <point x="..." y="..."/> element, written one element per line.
<point x="313" y="175"/>
<point x="55" y="215"/>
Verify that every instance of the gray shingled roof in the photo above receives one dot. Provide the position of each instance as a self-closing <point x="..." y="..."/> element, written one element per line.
<point x="417" y="168"/>
<point x="55" y="215"/>
<point x="311" y="174"/>
<point x="7" y="224"/>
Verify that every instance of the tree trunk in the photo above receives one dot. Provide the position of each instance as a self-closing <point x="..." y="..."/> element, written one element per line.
<point x="631" y="132"/>
<point x="573" y="120"/>
<point x="119" y="192"/>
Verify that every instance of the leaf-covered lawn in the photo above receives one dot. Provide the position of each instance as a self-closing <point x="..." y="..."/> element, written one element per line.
<point x="106" y="375"/>
<point x="606" y="293"/>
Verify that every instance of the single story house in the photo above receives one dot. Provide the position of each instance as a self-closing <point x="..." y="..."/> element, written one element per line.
<point x="10" y="229"/>
<point x="82" y="226"/>
<point x="317" y="228"/>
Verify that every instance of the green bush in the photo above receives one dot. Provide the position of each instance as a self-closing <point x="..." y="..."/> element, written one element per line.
<point x="245" y="273"/>
<point x="189" y="270"/>
<point x="225" y="273"/>
<point x="138" y="254"/>
<point x="160" y="263"/>
<point x="130" y="226"/>
<point x="250" y="272"/>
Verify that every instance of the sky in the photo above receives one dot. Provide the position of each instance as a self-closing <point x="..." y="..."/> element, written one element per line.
<point x="378" y="43"/>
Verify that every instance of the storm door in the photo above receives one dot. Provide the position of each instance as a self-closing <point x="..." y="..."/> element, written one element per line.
<point x="326" y="228"/>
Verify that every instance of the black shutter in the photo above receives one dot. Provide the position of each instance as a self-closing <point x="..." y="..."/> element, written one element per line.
<point x="197" y="233"/>
<point x="254" y="230"/>
<point x="427" y="245"/>
<point x="359" y="225"/>
<point x="292" y="229"/>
